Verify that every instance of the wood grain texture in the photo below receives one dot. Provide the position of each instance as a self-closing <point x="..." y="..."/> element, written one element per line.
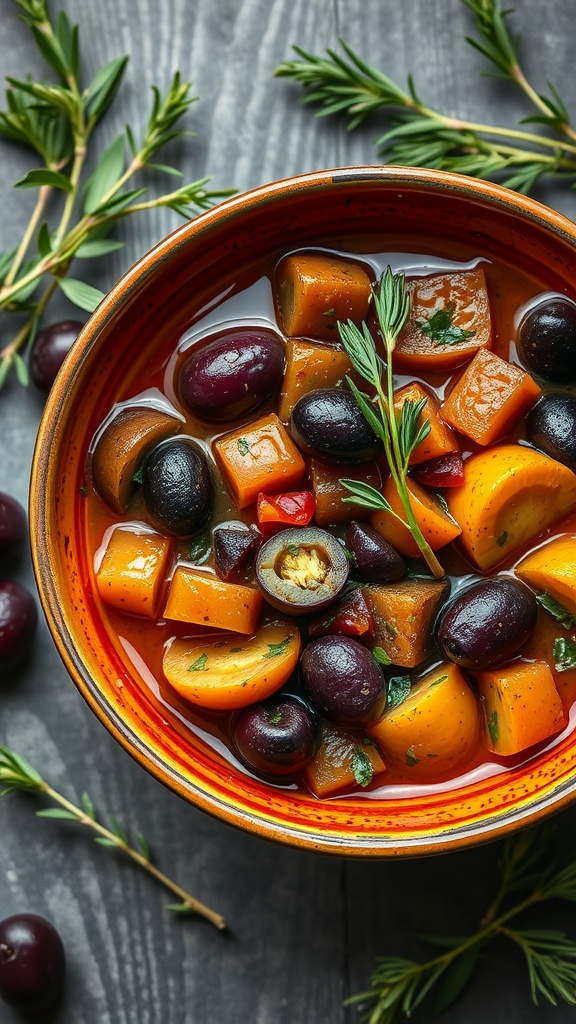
<point x="304" y="929"/>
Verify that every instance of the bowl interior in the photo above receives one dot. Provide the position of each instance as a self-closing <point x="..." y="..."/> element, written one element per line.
<point x="385" y="209"/>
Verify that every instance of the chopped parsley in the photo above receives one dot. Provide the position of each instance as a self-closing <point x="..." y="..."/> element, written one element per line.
<point x="557" y="610"/>
<point x="442" y="502"/>
<point x="390" y="629"/>
<point x="439" y="680"/>
<point x="275" y="650"/>
<point x="441" y="330"/>
<point x="199" y="664"/>
<point x="362" y="767"/>
<point x="137" y="476"/>
<point x="398" y="690"/>
<point x="293" y="549"/>
<point x="275" y="716"/>
<point x="243" y="446"/>
<point x="493" y="726"/>
<point x="501" y="540"/>
<point x="381" y="657"/>
<point x="564" y="654"/>
<point x="411" y="758"/>
<point x="200" y="548"/>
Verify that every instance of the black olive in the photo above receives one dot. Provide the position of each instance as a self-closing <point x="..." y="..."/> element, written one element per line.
<point x="551" y="427"/>
<point x="374" y="560"/>
<point x="231" y="549"/>
<point x="277" y="736"/>
<point x="328" y="423"/>
<point x="344" y="680"/>
<point x="177" y="486"/>
<point x="301" y="570"/>
<point x="232" y="375"/>
<point x="547" y="340"/>
<point x="488" y="622"/>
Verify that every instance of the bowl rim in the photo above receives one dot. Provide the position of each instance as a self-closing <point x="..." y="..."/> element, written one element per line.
<point x="133" y="281"/>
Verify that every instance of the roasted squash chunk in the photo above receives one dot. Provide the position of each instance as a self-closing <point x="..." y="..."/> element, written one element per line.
<point x="552" y="568"/>
<point x="314" y="291"/>
<point x="310" y="366"/>
<point x="329" y="492"/>
<point x="403" y="615"/>
<point x="522" y="706"/>
<point x="342" y="761"/>
<point x="441" y="439"/>
<point x="259" y="457"/>
<point x="437" y="526"/>
<point x="204" y="600"/>
<point x="132" y="570"/>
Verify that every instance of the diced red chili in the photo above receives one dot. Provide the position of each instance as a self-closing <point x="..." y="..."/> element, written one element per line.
<point x="275" y="511"/>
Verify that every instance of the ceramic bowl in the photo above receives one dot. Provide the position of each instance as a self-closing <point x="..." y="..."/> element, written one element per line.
<point x="159" y="294"/>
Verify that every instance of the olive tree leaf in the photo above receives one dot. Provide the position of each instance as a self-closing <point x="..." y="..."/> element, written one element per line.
<point x="42" y="176"/>
<point x="106" y="174"/>
<point x="81" y="294"/>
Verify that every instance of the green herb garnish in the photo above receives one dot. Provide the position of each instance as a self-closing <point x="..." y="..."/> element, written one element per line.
<point x="275" y="650"/>
<point x="243" y="446"/>
<point x="438" y="681"/>
<point x="137" y="476"/>
<point x="200" y="548"/>
<point x="381" y="657"/>
<point x="501" y="540"/>
<point x="293" y="549"/>
<point x="411" y="757"/>
<point x="493" y="726"/>
<point x="442" y="502"/>
<point x="564" y="654"/>
<point x="557" y="610"/>
<point x="401" y="435"/>
<point x="275" y="716"/>
<point x="440" y="328"/>
<point x="199" y="664"/>
<point x="398" y="689"/>
<point x="362" y="767"/>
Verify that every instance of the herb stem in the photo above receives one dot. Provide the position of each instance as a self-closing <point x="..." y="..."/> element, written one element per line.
<point x="44" y="193"/>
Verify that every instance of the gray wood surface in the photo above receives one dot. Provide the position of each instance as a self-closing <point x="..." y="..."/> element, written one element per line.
<point x="304" y="929"/>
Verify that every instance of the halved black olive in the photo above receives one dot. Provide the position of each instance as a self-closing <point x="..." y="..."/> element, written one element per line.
<point x="302" y="570"/>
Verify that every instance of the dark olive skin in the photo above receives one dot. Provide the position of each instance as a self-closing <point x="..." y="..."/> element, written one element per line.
<point x="32" y="963"/>
<point x="373" y="559"/>
<point x="18" y="621"/>
<point x="51" y="346"/>
<point x="547" y="340"/>
<point x="328" y="423"/>
<point x="277" y="736"/>
<point x="487" y="623"/>
<point x="231" y="549"/>
<point x="177" y="486"/>
<point x="551" y="427"/>
<point x="302" y="570"/>
<point x="233" y="375"/>
<point x="13" y="529"/>
<point x="343" y="680"/>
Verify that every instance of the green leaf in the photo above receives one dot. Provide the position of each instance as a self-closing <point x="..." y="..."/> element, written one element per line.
<point x="80" y="293"/>
<point x="41" y="176"/>
<point x="398" y="689"/>
<point x="88" y="806"/>
<point x="362" y="767"/>
<point x="243" y="446"/>
<point x="557" y="610"/>
<point x="493" y="727"/>
<point x="166" y="169"/>
<point x="5" y="263"/>
<point x="57" y="812"/>
<point x="21" y="369"/>
<point x="444" y="941"/>
<point x="44" y="241"/>
<point x="365" y="495"/>
<point x="142" y="846"/>
<point x="120" y="202"/>
<point x="411" y="757"/>
<point x="180" y="908"/>
<point x="440" y="329"/>
<point x="501" y="540"/>
<point x="368" y="411"/>
<point x="380" y="655"/>
<point x="200" y="548"/>
<point x="94" y="247"/>
<point x="107" y="174"/>
<point x="50" y="49"/>
<point x="118" y="831"/>
<point x="455" y="978"/>
<point x="564" y="651"/>
<point x="104" y="841"/>
<point x="275" y="650"/>
<point x="199" y="664"/>
<point x="103" y="88"/>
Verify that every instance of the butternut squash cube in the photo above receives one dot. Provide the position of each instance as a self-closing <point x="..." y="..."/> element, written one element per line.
<point x="314" y="291"/>
<point x="540" y="647"/>
<point x="329" y="492"/>
<point x="132" y="571"/>
<point x="437" y="526"/>
<point x="342" y="761"/>
<point x="204" y="600"/>
<point x="441" y="439"/>
<point x="403" y="615"/>
<point x="436" y="729"/>
<point x="522" y="706"/>
<point x="259" y="457"/>
<point x="489" y="399"/>
<point x="552" y="568"/>
<point x="310" y="366"/>
<point x="509" y="495"/>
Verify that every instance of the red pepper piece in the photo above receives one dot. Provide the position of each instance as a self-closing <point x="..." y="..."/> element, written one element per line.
<point x="275" y="511"/>
<point x="350" y="617"/>
<point x="445" y="471"/>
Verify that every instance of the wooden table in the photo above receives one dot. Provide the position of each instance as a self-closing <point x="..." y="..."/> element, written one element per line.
<point x="304" y="929"/>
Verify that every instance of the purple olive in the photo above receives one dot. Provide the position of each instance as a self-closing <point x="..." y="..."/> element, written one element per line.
<point x="547" y="339"/>
<point x="487" y="623"/>
<point x="373" y="559"/>
<point x="13" y="529"/>
<point x="276" y="737"/>
<point x="231" y="549"/>
<point x="18" y="621"/>
<point x="551" y="427"/>
<point x="343" y="680"/>
<point x="328" y="423"/>
<point x="51" y="346"/>
<point x="301" y="570"/>
<point x="32" y="963"/>
<point x="177" y="486"/>
<point x="231" y="376"/>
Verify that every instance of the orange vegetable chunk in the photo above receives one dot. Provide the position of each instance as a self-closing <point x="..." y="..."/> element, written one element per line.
<point x="510" y="494"/>
<point x="329" y="492"/>
<point x="436" y="525"/>
<point x="462" y="292"/>
<point x="489" y="399"/>
<point x="314" y="291"/>
<point x="552" y="568"/>
<point x="310" y="366"/>
<point x="540" y="647"/>
<point x="133" y="568"/>
<point x="522" y="706"/>
<point x="403" y="615"/>
<point x="333" y="768"/>
<point x="436" y="729"/>
<point x="259" y="457"/>
<point x="200" y="598"/>
<point x="224" y="672"/>
<point x="441" y="439"/>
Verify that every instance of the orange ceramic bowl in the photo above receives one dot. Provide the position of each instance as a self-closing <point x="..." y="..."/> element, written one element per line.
<point x="159" y="294"/>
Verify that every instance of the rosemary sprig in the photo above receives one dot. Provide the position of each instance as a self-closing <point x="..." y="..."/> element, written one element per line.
<point x="17" y="774"/>
<point x="425" y="137"/>
<point x="399" y="436"/>
<point x="56" y="120"/>
<point x="527" y="868"/>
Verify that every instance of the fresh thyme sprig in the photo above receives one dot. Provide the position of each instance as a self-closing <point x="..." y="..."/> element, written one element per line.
<point x="399" y="436"/>
<point x="17" y="774"/>
<point x="56" y="120"/>
<point x="527" y="868"/>
<point x="424" y="137"/>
